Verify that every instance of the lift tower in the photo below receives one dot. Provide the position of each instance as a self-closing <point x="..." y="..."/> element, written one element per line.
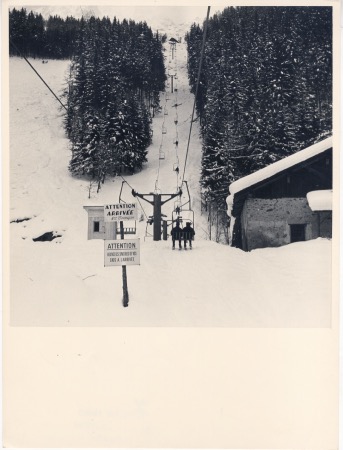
<point x="157" y="203"/>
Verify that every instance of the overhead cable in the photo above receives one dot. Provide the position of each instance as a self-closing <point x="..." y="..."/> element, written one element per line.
<point x="28" y="62"/>
<point x="197" y="87"/>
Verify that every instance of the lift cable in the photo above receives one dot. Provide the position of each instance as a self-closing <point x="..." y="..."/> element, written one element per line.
<point x="28" y="62"/>
<point x="137" y="198"/>
<point x="161" y="145"/>
<point x="197" y="87"/>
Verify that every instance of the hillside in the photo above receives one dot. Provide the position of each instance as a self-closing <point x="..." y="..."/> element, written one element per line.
<point x="64" y="282"/>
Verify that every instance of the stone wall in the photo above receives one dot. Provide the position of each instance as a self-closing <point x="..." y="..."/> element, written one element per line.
<point x="266" y="222"/>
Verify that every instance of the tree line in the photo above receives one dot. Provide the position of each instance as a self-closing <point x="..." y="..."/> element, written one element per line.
<point x="265" y="89"/>
<point x="37" y="37"/>
<point x="116" y="74"/>
<point x="113" y="90"/>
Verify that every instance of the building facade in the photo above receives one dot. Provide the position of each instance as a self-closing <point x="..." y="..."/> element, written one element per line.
<point x="269" y="208"/>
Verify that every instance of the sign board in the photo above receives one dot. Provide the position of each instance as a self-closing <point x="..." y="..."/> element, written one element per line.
<point x="125" y="252"/>
<point x="120" y="211"/>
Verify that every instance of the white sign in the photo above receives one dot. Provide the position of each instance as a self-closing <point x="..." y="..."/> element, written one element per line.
<point x="123" y="252"/>
<point x="120" y="211"/>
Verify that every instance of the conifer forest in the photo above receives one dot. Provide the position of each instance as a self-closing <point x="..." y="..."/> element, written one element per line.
<point x="265" y="89"/>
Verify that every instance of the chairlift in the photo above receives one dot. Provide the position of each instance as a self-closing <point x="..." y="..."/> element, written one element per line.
<point x="165" y="111"/>
<point x="150" y="221"/>
<point x="182" y="210"/>
<point x="175" y="121"/>
<point x="131" y="229"/>
<point x="176" y="167"/>
<point x="164" y="130"/>
<point x="161" y="155"/>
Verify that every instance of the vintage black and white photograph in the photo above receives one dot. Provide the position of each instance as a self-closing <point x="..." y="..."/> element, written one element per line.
<point x="171" y="166"/>
<point x="171" y="224"/>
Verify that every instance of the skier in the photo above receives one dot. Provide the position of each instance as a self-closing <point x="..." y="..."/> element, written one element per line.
<point x="176" y="234"/>
<point x="188" y="235"/>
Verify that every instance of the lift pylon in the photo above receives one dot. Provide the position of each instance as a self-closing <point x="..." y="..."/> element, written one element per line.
<point x="157" y="203"/>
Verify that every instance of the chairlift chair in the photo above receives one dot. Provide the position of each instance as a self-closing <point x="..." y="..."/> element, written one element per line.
<point x="131" y="229"/>
<point x="164" y="130"/>
<point x="182" y="209"/>
<point x="176" y="167"/>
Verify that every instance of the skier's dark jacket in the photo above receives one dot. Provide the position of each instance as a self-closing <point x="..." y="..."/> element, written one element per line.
<point x="176" y="232"/>
<point x="188" y="233"/>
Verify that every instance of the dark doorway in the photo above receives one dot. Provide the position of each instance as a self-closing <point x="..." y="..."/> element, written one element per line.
<point x="298" y="232"/>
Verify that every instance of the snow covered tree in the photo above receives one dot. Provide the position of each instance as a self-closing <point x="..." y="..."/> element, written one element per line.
<point x="265" y="90"/>
<point x="116" y="75"/>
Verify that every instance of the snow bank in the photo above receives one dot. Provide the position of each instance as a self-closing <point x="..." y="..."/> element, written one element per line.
<point x="320" y="200"/>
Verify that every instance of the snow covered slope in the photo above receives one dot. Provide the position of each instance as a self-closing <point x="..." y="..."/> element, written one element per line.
<point x="64" y="282"/>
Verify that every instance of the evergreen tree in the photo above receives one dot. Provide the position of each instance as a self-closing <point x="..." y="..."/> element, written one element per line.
<point x="115" y="76"/>
<point x="265" y="90"/>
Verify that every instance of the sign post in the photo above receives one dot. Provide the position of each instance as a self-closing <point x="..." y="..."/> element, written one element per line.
<point x="125" y="290"/>
<point x="116" y="254"/>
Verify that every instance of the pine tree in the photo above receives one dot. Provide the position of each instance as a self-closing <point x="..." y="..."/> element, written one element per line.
<point x="115" y="74"/>
<point x="265" y="90"/>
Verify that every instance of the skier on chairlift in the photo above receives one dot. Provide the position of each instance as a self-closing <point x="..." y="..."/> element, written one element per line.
<point x="188" y="235"/>
<point x="176" y="234"/>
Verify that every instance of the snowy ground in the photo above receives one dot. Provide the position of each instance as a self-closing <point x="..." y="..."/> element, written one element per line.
<point x="64" y="282"/>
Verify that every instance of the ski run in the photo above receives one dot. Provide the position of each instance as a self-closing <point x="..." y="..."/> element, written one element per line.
<point x="63" y="282"/>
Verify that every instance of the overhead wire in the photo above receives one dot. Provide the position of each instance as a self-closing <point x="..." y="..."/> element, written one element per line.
<point x="176" y="119"/>
<point x="41" y="78"/>
<point x="197" y="88"/>
<point x="146" y="216"/>
<point x="165" y="112"/>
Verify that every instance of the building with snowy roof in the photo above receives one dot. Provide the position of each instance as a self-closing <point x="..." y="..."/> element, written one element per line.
<point x="287" y="201"/>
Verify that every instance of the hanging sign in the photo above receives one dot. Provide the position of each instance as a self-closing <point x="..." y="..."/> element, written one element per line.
<point x="122" y="252"/>
<point x="120" y="211"/>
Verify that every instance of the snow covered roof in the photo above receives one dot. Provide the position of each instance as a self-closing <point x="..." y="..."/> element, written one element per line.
<point x="320" y="200"/>
<point x="229" y="202"/>
<point x="279" y="166"/>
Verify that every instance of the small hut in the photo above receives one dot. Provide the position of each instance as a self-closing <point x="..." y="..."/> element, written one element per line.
<point x="270" y="207"/>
